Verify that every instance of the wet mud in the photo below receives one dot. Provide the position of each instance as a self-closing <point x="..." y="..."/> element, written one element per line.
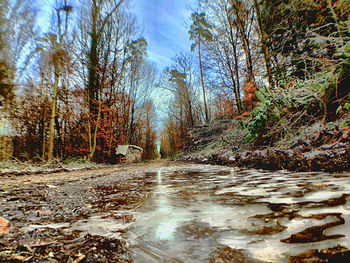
<point x="70" y="217"/>
<point x="273" y="159"/>
<point x="173" y="212"/>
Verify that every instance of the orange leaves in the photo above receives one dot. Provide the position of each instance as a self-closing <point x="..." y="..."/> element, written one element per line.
<point x="226" y="105"/>
<point x="244" y="114"/>
<point x="249" y="91"/>
<point x="249" y="94"/>
<point x="4" y="226"/>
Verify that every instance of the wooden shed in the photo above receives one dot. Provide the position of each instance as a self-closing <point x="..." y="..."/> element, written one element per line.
<point x="128" y="153"/>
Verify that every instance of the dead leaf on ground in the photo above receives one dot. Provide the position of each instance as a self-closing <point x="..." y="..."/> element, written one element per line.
<point x="44" y="212"/>
<point x="4" y="226"/>
<point x="21" y="258"/>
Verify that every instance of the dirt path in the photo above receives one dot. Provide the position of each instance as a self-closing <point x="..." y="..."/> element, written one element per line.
<point x="179" y="212"/>
<point x="39" y="208"/>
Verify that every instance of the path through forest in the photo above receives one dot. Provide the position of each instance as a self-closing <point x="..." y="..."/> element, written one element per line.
<point x="174" y="212"/>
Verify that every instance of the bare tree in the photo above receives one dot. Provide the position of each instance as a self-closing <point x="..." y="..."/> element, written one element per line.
<point x="57" y="39"/>
<point x="199" y="32"/>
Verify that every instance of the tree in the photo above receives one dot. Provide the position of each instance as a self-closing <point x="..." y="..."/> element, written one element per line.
<point x="224" y="52"/>
<point x="57" y="41"/>
<point x="200" y="31"/>
<point x="303" y="36"/>
<point x="179" y="79"/>
<point x="17" y="23"/>
<point x="99" y="15"/>
<point x="140" y="73"/>
<point x="263" y="38"/>
<point x="240" y="18"/>
<point x="150" y="136"/>
<point x="97" y="26"/>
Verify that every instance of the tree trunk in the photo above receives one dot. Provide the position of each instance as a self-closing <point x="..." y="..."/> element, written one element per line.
<point x="59" y="138"/>
<point x="190" y="112"/>
<point x="234" y="88"/>
<point x="245" y="42"/>
<point x="201" y="71"/>
<point x="53" y="108"/>
<point x="263" y="42"/>
<point x="246" y="51"/>
<point x="234" y="49"/>
<point x="94" y="142"/>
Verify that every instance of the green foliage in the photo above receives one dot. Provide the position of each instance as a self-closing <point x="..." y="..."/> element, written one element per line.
<point x="346" y="107"/>
<point x="259" y="117"/>
<point x="289" y="95"/>
<point x="200" y="29"/>
<point x="178" y="77"/>
<point x="75" y="160"/>
<point x="272" y="106"/>
<point x="137" y="48"/>
<point x="343" y="68"/>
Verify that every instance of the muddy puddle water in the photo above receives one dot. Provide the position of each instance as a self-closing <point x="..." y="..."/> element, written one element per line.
<point x="212" y="213"/>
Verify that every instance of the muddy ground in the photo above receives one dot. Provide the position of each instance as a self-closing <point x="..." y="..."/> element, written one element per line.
<point x="39" y="208"/>
<point x="324" y="159"/>
<point x="314" y="148"/>
<point x="85" y="216"/>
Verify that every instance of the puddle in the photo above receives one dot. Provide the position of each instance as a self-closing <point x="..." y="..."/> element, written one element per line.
<point x="195" y="213"/>
<point x="106" y="226"/>
<point x="51" y="226"/>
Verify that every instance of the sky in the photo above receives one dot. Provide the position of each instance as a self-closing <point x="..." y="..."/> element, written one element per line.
<point x="166" y="24"/>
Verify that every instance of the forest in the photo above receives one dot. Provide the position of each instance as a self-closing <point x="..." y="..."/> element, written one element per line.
<point x="86" y="85"/>
<point x="235" y="112"/>
<point x="278" y="69"/>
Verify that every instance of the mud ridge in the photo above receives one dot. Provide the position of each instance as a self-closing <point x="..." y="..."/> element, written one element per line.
<point x="327" y="160"/>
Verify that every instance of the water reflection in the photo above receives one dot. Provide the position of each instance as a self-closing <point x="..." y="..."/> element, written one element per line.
<point x="159" y="176"/>
<point x="194" y="209"/>
<point x="166" y="230"/>
<point x="166" y="224"/>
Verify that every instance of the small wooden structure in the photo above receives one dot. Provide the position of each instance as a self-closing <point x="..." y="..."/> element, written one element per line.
<point x="128" y="153"/>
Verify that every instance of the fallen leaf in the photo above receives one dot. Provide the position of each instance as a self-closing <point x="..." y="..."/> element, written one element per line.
<point x="44" y="212"/>
<point x="4" y="226"/>
<point x="21" y="258"/>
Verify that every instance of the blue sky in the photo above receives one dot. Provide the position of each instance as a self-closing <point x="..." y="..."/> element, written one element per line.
<point x="166" y="25"/>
